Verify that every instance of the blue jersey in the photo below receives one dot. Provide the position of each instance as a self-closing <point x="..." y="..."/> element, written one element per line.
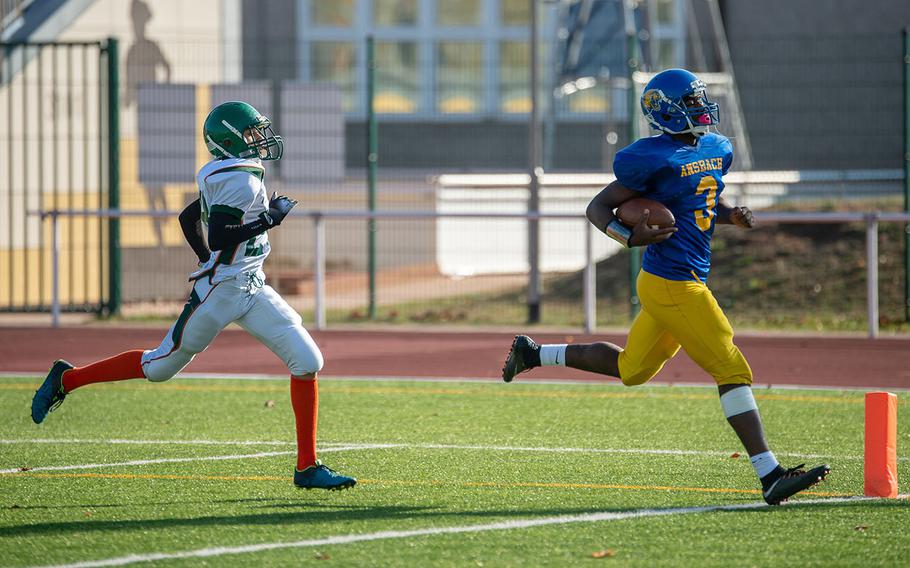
<point x="688" y="180"/>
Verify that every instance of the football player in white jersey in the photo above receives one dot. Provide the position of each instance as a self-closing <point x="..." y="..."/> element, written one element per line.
<point x="229" y="286"/>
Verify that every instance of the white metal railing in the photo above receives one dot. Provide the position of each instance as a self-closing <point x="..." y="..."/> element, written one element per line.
<point x="871" y="220"/>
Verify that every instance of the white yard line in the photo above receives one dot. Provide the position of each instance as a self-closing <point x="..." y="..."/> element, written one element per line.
<point x="343" y="447"/>
<point x="152" y="442"/>
<point x="387" y="535"/>
<point x="541" y="381"/>
<point x="638" y="451"/>
<point x="146" y="462"/>
<point x="182" y="460"/>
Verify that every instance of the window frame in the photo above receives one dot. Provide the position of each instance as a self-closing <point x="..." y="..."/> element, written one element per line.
<point x="427" y="34"/>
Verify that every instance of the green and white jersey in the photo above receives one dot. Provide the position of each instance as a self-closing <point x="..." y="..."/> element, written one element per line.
<point x="233" y="186"/>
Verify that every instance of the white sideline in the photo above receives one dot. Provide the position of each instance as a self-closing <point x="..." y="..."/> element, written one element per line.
<point x="340" y="447"/>
<point x="758" y="386"/>
<point x="385" y="535"/>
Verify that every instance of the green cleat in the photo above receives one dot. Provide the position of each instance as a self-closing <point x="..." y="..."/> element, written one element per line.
<point x="319" y="476"/>
<point x="792" y="481"/>
<point x="524" y="355"/>
<point x="50" y="394"/>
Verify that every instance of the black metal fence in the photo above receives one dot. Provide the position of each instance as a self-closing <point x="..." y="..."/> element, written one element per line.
<point x="55" y="155"/>
<point x="449" y="104"/>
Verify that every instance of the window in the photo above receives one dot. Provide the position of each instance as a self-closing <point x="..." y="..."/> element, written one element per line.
<point x="514" y="76"/>
<point x="455" y="59"/>
<point x="336" y="13"/>
<point x="459" y="77"/>
<point x="397" y="86"/>
<point x="666" y="53"/>
<point x="395" y="12"/>
<point x="335" y="62"/>
<point x="593" y="100"/>
<point x="458" y="12"/>
<point x="515" y="12"/>
<point x="666" y="11"/>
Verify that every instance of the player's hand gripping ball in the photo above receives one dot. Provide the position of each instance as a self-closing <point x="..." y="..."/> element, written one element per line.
<point x="629" y="213"/>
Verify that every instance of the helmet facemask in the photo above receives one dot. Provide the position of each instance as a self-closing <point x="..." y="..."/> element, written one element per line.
<point x="688" y="113"/>
<point x="262" y="142"/>
<point x="700" y="113"/>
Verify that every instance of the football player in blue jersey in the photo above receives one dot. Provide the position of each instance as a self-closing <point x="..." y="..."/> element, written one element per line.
<point x="682" y="167"/>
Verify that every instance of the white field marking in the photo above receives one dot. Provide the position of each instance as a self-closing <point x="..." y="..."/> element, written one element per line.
<point x="535" y="381"/>
<point x="758" y="387"/>
<point x="145" y="462"/>
<point x="179" y="460"/>
<point x="609" y="451"/>
<point x="159" y="442"/>
<point x="387" y="535"/>
<point x="606" y="451"/>
<point x="354" y="446"/>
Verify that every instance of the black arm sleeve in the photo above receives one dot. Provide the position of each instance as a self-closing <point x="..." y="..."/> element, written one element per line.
<point x="191" y="223"/>
<point x="226" y="231"/>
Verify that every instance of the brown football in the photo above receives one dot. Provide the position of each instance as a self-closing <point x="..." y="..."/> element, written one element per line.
<point x="629" y="213"/>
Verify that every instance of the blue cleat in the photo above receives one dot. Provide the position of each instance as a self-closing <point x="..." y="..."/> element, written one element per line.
<point x="50" y="394"/>
<point x="319" y="476"/>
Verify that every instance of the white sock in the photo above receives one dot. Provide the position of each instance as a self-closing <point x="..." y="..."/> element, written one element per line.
<point x="553" y="354"/>
<point x="764" y="463"/>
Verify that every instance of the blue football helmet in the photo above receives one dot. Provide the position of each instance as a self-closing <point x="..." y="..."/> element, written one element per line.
<point x="675" y="101"/>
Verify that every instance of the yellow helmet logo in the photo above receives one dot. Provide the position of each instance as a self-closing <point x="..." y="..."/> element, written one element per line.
<point x="651" y="99"/>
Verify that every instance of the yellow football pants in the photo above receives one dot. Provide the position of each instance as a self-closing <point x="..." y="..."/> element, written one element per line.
<point x="678" y="314"/>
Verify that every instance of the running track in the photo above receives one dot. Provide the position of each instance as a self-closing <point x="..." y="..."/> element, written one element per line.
<point x="776" y="360"/>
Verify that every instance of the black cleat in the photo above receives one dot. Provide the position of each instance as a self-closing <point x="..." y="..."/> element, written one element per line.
<point x="50" y="394"/>
<point x="792" y="481"/>
<point x="524" y="355"/>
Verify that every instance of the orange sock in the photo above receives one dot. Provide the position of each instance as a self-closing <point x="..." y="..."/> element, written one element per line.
<point x="305" y="401"/>
<point x="127" y="365"/>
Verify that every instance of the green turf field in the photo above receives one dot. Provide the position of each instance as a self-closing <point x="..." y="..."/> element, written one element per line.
<point x="450" y="474"/>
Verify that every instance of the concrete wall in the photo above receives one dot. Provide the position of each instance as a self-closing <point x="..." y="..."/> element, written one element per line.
<point x="820" y="82"/>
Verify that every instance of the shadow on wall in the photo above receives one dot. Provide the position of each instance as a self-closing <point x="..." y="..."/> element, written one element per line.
<point x="143" y="61"/>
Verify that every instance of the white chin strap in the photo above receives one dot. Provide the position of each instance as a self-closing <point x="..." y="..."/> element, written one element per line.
<point x="698" y="131"/>
<point x="694" y="129"/>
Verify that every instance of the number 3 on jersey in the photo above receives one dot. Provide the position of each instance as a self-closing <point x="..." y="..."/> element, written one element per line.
<point x="704" y="216"/>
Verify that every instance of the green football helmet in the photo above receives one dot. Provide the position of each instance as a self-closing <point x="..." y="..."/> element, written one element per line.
<point x="237" y="130"/>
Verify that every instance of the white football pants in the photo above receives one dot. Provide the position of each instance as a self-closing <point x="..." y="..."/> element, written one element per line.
<point x="258" y="309"/>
